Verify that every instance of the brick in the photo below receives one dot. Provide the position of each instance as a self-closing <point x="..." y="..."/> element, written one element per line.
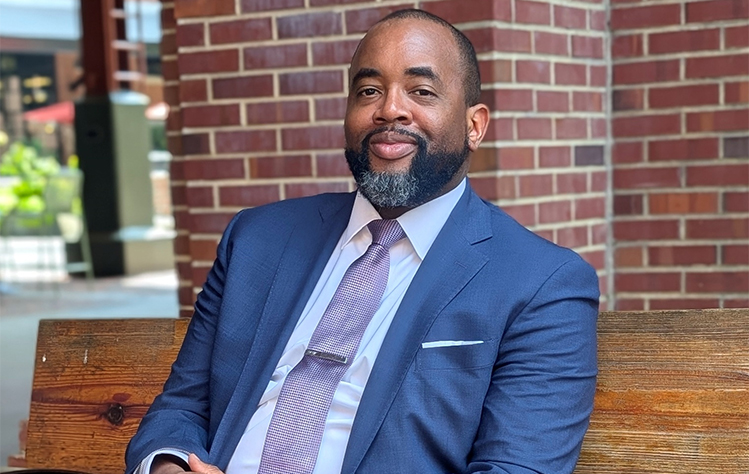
<point x="280" y="166"/>
<point x="168" y="44"/>
<point x="646" y="230"/>
<point x="737" y="37"/>
<point x="547" y="234"/>
<point x="628" y="99"/>
<point x="627" y="46"/>
<point x="499" y="129"/>
<point x="718" y="66"/>
<point x="590" y="208"/>
<point x="569" y="17"/>
<point x="599" y="181"/>
<point x="647" y="282"/>
<point x="510" y="41"/>
<point x="644" y="178"/>
<point x="204" y="250"/>
<point x="318" y="3"/>
<point x="493" y="188"/>
<point x="626" y="152"/>
<point x="572" y="183"/>
<point x="498" y="70"/>
<point x="513" y="99"/>
<point x="248" y="196"/>
<point x="587" y="47"/>
<point x="737" y="92"/>
<point x="572" y="237"/>
<point x="552" y="101"/>
<point x="309" y="25"/>
<point x="555" y="211"/>
<point x="628" y="257"/>
<point x="645" y="17"/>
<point x="717" y="228"/>
<point x="554" y="156"/>
<point x="514" y="158"/>
<point x="718" y="282"/>
<point x="359" y="21"/>
<point x="330" y="109"/>
<point x="678" y="41"/>
<point x="214" y="169"/>
<point x="598" y="76"/>
<point x="481" y="38"/>
<point x="178" y="196"/>
<point x="598" y="20"/>
<point x="245" y="141"/>
<point x="190" y="35"/>
<point x="736" y="202"/>
<point x="265" y="5"/>
<point x="168" y="22"/>
<point x="535" y="185"/>
<point x="736" y="303"/>
<point x="256" y="29"/>
<point x="683" y="149"/>
<point x="171" y="94"/>
<point x="192" y="91"/>
<point x="646" y="125"/>
<point x="537" y="13"/>
<point x="551" y="43"/>
<point x="683" y="203"/>
<point x="533" y="71"/>
<point x="646" y="72"/>
<point x="200" y="196"/>
<point x="716" y="10"/>
<point x="332" y="164"/>
<point x="534" y="128"/>
<point x="718" y="175"/>
<point x="686" y="303"/>
<point x="174" y="121"/>
<point x="278" y="112"/>
<point x="683" y="96"/>
<point x="203" y="8"/>
<point x="628" y="205"/>
<point x="241" y="87"/>
<point x="211" y="115"/>
<point x="568" y="128"/>
<point x="471" y="10"/>
<point x="599" y="128"/>
<point x="484" y="159"/>
<point x="629" y="304"/>
<point x="169" y="69"/>
<point x="311" y="82"/>
<point x="736" y="147"/>
<point x="722" y="120"/>
<point x="266" y="57"/>
<point x="224" y="60"/>
<point x="296" y="190"/>
<point x="193" y="144"/>
<point x="735" y="254"/>
<point x="682" y="255"/>
<point x="588" y="155"/>
<point x="333" y="52"/>
<point x="587" y="101"/>
<point x="310" y="138"/>
<point x="525" y="214"/>
<point x="570" y="74"/>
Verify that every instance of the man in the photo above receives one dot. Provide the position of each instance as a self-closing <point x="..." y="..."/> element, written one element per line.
<point x="479" y="352"/>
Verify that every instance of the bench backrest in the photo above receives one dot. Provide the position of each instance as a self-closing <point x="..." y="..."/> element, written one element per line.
<point x="672" y="395"/>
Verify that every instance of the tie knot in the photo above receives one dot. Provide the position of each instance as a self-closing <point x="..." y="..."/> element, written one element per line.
<point x="386" y="232"/>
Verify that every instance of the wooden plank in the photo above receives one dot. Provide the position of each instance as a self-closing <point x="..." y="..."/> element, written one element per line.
<point x="93" y="382"/>
<point x="672" y="395"/>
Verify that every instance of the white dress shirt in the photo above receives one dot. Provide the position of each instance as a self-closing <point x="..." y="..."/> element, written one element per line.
<point x="421" y="226"/>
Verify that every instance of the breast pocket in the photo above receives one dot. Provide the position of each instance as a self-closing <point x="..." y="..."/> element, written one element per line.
<point x="457" y="357"/>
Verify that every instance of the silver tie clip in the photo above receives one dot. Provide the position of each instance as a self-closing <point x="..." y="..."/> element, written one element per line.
<point x="326" y="356"/>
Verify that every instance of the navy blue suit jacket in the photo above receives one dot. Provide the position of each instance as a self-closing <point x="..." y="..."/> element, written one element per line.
<point x="518" y="403"/>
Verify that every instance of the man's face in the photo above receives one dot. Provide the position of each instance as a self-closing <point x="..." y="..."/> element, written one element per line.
<point x="406" y="122"/>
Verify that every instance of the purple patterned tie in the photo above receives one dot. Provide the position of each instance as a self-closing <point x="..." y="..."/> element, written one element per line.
<point x="296" y="429"/>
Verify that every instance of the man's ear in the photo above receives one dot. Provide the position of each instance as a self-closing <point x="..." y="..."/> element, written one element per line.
<point x="477" y="118"/>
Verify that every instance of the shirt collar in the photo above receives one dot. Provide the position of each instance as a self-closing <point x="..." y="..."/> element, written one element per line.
<point x="421" y="224"/>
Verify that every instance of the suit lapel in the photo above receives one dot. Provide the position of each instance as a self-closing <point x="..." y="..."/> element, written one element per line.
<point x="303" y="259"/>
<point x="448" y="267"/>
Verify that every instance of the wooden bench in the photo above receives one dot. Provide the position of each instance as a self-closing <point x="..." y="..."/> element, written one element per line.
<point x="672" y="395"/>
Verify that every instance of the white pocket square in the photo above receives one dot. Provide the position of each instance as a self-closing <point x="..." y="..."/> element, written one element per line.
<point x="433" y="344"/>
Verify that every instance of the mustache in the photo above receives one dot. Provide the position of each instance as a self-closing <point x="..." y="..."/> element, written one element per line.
<point x="421" y="142"/>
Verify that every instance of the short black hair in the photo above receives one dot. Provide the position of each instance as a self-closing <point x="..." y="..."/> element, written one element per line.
<point x="471" y="76"/>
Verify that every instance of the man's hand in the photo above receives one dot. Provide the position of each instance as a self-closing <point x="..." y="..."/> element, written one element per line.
<point x="196" y="465"/>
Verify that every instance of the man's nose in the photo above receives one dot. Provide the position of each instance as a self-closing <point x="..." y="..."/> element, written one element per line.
<point x="393" y="109"/>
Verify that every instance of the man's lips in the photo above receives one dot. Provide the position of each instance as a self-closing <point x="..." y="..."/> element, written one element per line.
<point x="392" y="146"/>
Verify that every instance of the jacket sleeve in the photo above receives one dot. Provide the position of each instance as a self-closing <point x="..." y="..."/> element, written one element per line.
<point x="540" y="398"/>
<point x="179" y="416"/>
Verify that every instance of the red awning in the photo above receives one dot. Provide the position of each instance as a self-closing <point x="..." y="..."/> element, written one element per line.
<point x="61" y="112"/>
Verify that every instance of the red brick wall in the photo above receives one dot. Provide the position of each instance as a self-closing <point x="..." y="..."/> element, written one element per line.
<point x="681" y="143"/>
<point x="258" y="90"/>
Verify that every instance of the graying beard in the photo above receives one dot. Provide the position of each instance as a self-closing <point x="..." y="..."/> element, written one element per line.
<point x="389" y="190"/>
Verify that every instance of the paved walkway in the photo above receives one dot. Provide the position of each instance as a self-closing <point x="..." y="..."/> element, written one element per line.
<point x="48" y="295"/>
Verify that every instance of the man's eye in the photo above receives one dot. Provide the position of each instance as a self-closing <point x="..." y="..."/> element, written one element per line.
<point x="369" y="91"/>
<point x="423" y="92"/>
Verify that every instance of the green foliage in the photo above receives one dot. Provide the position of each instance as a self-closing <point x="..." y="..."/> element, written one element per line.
<point x="32" y="171"/>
